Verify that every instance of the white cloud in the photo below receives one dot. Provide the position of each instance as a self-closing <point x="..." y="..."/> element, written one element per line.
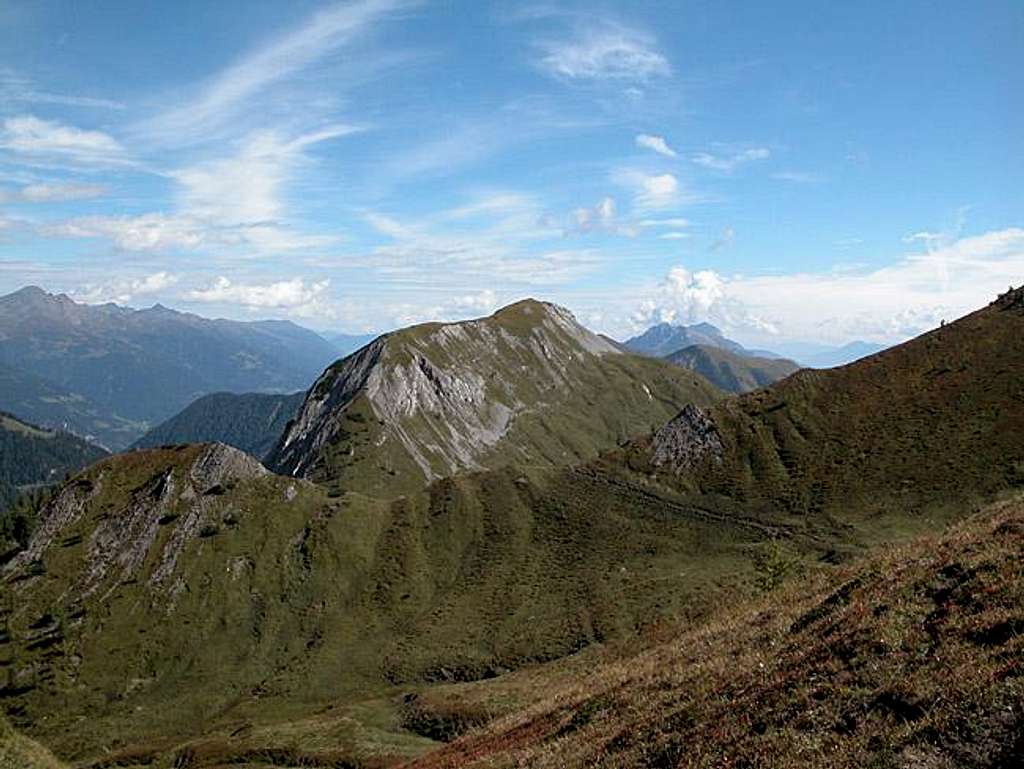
<point x="294" y="296"/>
<point x="224" y="95"/>
<point x="53" y="193"/>
<point x="686" y="297"/>
<point x="31" y="136"/>
<point x="656" y="143"/>
<point x="605" y="52"/>
<point x="599" y="218"/>
<point x="14" y="88"/>
<point x="124" y="290"/>
<point x="246" y="188"/>
<point x="885" y="304"/>
<point x="674" y="235"/>
<point x="729" y="163"/>
<point x="652" y="192"/>
<point x="671" y="222"/>
<point x="148" y="232"/>
<point x="797" y="177"/>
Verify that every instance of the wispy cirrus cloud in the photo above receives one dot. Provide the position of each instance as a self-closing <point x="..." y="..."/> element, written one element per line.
<point x="655" y="143"/>
<point x="53" y="192"/>
<point x="604" y="50"/>
<point x="32" y="138"/>
<point x="727" y="163"/>
<point x="15" y="88"/>
<point x="225" y="95"/>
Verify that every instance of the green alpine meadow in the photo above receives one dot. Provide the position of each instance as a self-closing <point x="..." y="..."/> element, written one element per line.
<point x="476" y="384"/>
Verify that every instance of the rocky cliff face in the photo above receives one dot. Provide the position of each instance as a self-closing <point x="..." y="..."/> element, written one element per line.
<point x="436" y="399"/>
<point x="175" y="504"/>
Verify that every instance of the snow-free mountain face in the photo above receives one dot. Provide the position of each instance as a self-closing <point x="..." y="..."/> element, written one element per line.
<point x="526" y="385"/>
<point x="252" y="422"/>
<point x="664" y="338"/>
<point x="186" y="558"/>
<point x="730" y="371"/>
<point x="133" y="367"/>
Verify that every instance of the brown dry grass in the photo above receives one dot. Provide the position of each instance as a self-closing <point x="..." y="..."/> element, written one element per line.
<point x="911" y="659"/>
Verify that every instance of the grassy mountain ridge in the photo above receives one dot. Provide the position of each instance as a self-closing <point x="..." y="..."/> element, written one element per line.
<point x="932" y="422"/>
<point x="239" y="596"/>
<point x="732" y="372"/>
<point x="527" y="386"/>
<point x="252" y="422"/>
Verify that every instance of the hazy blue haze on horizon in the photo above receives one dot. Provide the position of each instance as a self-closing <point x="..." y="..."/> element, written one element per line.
<point x="786" y="171"/>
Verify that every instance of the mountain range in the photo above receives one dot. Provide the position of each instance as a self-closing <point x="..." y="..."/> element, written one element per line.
<point x="464" y="536"/>
<point x="663" y="339"/>
<point x="107" y="372"/>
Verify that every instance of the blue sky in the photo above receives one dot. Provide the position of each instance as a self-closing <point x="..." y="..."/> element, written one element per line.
<point x="788" y="171"/>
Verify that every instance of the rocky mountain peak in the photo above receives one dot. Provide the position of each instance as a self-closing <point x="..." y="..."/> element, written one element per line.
<point x="438" y="398"/>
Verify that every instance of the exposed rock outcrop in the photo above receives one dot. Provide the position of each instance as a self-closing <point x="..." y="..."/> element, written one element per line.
<point x="437" y="399"/>
<point x="688" y="440"/>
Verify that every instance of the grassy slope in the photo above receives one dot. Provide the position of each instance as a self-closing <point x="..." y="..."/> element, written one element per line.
<point x="913" y="658"/>
<point x="286" y="607"/>
<point x="567" y="404"/>
<point x="342" y="599"/>
<point x="930" y="425"/>
<point x="18" y="752"/>
<point x="731" y="372"/>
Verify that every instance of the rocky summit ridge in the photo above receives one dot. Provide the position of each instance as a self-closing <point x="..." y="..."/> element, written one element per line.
<point x="435" y="399"/>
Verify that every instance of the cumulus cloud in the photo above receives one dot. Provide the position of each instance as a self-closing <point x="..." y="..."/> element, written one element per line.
<point x="686" y="297"/>
<point x="729" y="163"/>
<point x="28" y="135"/>
<point x="605" y="52"/>
<point x="655" y="143"/>
<point x="599" y="218"/>
<point x="652" y="191"/>
<point x="886" y="304"/>
<point x="295" y="296"/>
<point x="125" y="290"/>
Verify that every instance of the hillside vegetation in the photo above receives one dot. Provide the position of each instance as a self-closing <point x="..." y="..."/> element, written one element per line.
<point x="259" y="615"/>
<point x="526" y="386"/>
<point x="731" y="371"/>
<point x="914" y="658"/>
<point x="252" y="422"/>
<point x="18" y="752"/>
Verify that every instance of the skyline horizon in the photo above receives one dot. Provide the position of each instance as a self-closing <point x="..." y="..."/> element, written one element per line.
<point x="794" y="173"/>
